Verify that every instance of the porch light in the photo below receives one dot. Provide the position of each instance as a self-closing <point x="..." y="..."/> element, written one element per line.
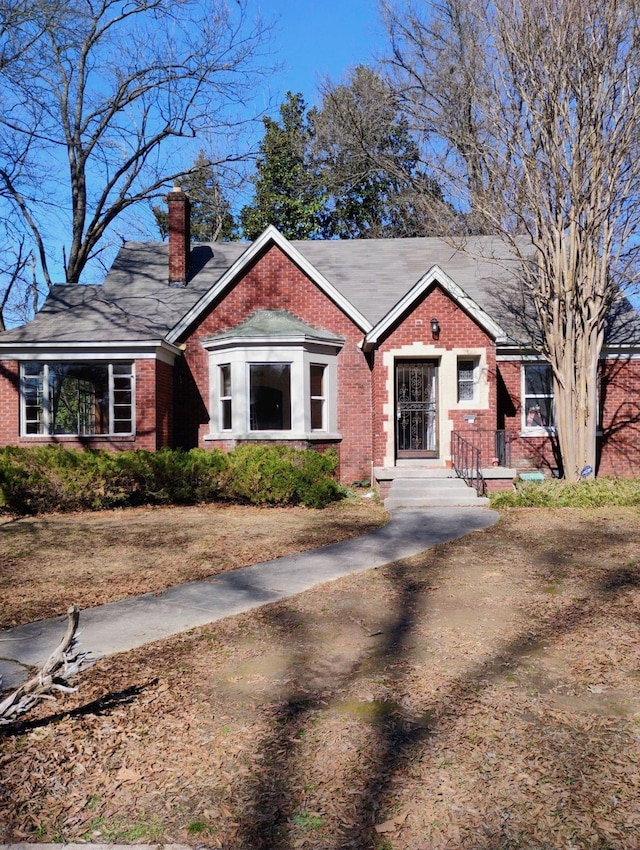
<point x="435" y="328"/>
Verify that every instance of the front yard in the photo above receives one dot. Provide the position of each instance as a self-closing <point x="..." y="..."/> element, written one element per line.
<point x="481" y="695"/>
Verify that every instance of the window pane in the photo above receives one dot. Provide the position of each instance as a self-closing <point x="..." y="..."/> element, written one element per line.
<point x="270" y="396"/>
<point x="225" y="380"/>
<point x="317" y="414"/>
<point x="122" y="426"/>
<point x="78" y="398"/>
<point x="317" y="381"/>
<point x="317" y="402"/>
<point x="538" y="379"/>
<point x="122" y="369"/>
<point x="226" y="414"/>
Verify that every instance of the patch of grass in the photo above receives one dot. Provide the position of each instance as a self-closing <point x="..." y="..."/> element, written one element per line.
<point x="599" y="493"/>
<point x="372" y="711"/>
<point x="200" y="827"/>
<point x="308" y="821"/>
<point x="115" y="831"/>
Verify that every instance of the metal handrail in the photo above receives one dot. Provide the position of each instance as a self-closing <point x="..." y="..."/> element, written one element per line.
<point x="473" y="449"/>
<point x="466" y="462"/>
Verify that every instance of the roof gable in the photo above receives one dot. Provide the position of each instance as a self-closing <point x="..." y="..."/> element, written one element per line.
<point x="267" y="239"/>
<point x="434" y="277"/>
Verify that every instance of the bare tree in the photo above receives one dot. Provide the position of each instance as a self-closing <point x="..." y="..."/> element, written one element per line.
<point x="22" y="24"/>
<point x="545" y="153"/>
<point x="92" y="108"/>
<point x="368" y="163"/>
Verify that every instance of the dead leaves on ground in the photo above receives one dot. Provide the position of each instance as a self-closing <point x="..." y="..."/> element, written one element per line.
<point x="513" y="724"/>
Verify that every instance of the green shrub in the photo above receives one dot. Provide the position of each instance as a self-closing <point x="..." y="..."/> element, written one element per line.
<point x="279" y="475"/>
<point x="596" y="493"/>
<point x="171" y="477"/>
<point x="52" y="478"/>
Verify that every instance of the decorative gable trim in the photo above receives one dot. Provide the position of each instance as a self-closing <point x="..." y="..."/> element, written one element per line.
<point x="269" y="237"/>
<point x="435" y="276"/>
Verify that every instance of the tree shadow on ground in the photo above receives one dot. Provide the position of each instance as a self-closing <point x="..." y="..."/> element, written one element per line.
<point x="103" y="705"/>
<point x="398" y="734"/>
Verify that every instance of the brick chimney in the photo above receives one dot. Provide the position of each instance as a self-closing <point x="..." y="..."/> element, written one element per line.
<point x="179" y="236"/>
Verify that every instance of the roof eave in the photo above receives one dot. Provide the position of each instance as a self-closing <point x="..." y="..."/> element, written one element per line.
<point x="218" y="342"/>
<point x="20" y="350"/>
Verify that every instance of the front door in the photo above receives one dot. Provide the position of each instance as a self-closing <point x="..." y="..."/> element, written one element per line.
<point x="416" y="408"/>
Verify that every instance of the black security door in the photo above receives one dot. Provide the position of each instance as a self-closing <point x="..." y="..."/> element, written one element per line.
<point x="416" y="408"/>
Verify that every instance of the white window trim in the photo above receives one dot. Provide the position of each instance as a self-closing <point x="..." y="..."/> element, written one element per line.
<point x="322" y="398"/>
<point x="300" y="356"/>
<point x="46" y="413"/>
<point x="535" y="430"/>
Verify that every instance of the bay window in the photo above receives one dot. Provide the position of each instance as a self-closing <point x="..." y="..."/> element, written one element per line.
<point x="273" y="377"/>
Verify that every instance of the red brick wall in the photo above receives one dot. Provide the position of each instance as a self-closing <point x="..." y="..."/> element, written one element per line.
<point x="164" y="404"/>
<point x="457" y="330"/>
<point x="620" y="397"/>
<point x="9" y="402"/>
<point x="275" y="282"/>
<point x="619" y="445"/>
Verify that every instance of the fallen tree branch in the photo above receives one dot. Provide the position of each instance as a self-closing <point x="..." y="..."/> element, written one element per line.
<point x="64" y="662"/>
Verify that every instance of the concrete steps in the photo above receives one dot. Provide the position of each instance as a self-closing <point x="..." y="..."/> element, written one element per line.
<point x="421" y="488"/>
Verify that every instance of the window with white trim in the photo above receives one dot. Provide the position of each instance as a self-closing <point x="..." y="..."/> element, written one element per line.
<point x="317" y="400"/>
<point x="270" y="396"/>
<point x="538" y="403"/>
<point x="76" y="399"/>
<point x="226" y="408"/>
<point x="467" y="378"/>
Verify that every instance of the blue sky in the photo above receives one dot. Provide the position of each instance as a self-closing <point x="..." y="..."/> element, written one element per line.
<point x="319" y="38"/>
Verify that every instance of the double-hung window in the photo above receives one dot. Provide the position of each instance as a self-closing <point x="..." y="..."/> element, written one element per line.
<point x="538" y="404"/>
<point x="76" y="399"/>
<point x="317" y="399"/>
<point x="467" y="378"/>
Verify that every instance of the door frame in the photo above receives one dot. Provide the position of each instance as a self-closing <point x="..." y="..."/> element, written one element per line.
<point x="434" y="402"/>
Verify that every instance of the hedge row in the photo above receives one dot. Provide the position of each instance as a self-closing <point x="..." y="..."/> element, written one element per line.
<point x="596" y="493"/>
<point x="44" y="479"/>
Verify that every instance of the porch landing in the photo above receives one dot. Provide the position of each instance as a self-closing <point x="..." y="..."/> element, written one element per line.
<point x="412" y="484"/>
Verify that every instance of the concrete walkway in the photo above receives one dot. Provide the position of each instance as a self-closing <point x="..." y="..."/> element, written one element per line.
<point x="123" y="625"/>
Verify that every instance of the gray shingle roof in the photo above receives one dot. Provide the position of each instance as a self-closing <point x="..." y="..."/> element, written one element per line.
<point x="136" y="302"/>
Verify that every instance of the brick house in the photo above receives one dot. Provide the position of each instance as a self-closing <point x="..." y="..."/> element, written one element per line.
<point x="394" y="351"/>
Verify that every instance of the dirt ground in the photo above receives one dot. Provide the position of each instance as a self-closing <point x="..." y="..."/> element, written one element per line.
<point x="47" y="563"/>
<point x="481" y="695"/>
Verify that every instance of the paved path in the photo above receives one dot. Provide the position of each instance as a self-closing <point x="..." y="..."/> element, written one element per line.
<point x="123" y="625"/>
